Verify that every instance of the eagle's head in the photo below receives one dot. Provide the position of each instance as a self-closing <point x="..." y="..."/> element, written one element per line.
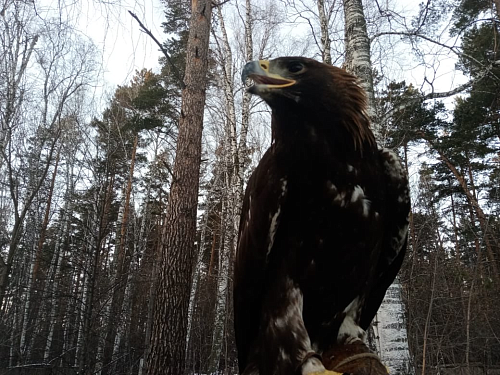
<point x="298" y="87"/>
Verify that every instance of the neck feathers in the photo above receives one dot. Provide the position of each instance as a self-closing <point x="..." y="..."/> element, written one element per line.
<point x="358" y="126"/>
<point x="343" y="134"/>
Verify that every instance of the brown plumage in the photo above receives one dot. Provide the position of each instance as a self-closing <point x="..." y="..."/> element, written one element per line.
<point x="324" y="222"/>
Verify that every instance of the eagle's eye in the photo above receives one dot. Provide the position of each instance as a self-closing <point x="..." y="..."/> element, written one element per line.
<point x="295" y="67"/>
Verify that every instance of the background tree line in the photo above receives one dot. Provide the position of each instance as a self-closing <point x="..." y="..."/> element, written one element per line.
<point x="84" y="193"/>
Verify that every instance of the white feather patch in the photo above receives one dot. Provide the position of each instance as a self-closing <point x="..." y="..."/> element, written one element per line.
<point x="358" y="193"/>
<point x="312" y="365"/>
<point x="275" y="218"/>
<point x="273" y="228"/>
<point x="284" y="182"/>
<point x="349" y="330"/>
<point x="392" y="165"/>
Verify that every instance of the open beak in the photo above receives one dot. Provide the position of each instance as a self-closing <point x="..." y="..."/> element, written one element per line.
<point x="259" y="72"/>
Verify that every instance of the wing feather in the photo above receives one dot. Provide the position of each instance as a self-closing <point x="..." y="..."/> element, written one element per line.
<point x="395" y="234"/>
<point x="264" y="198"/>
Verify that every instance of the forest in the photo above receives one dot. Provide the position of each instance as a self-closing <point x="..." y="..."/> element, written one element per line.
<point x="96" y="226"/>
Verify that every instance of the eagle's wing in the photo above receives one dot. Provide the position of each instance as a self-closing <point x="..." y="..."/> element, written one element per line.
<point x="264" y="198"/>
<point x="395" y="233"/>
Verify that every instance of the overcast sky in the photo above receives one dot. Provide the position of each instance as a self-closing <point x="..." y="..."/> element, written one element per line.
<point x="125" y="48"/>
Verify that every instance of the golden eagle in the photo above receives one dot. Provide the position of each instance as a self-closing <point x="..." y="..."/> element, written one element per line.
<point x="324" y="222"/>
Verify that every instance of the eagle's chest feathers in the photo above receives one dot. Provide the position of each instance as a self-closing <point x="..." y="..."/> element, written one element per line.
<point x="332" y="208"/>
<point x="324" y="174"/>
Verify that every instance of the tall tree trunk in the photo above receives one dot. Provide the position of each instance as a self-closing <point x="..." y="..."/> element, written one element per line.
<point x="393" y="338"/>
<point x="121" y="272"/>
<point x="225" y="246"/>
<point x="168" y="342"/>
<point x="429" y="312"/>
<point x="25" y="349"/>
<point x="245" y="111"/>
<point x="45" y="223"/>
<point x="49" y="299"/>
<point x="326" y="42"/>
<point x="37" y="283"/>
<point x="97" y="229"/>
<point x="358" y="62"/>
<point x="357" y="53"/>
<point x="53" y="280"/>
<point x="231" y="200"/>
<point x="196" y="275"/>
<point x="148" y="262"/>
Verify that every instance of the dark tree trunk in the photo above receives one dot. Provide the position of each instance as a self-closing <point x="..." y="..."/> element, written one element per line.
<point x="123" y="259"/>
<point x="168" y="341"/>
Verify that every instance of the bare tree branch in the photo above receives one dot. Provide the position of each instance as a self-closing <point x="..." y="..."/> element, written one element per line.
<point x="172" y="65"/>
<point x="218" y="4"/>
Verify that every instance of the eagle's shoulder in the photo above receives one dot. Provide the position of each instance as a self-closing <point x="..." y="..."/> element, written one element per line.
<point x="395" y="234"/>
<point x="397" y="203"/>
<point x="395" y="172"/>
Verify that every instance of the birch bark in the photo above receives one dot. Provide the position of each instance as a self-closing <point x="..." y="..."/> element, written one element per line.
<point x="326" y="43"/>
<point x="229" y="205"/>
<point x="357" y="53"/>
<point x="358" y="62"/>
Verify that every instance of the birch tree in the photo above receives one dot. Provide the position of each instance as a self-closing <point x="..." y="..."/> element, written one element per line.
<point x="323" y="18"/>
<point x="357" y="53"/>
<point x="44" y="72"/>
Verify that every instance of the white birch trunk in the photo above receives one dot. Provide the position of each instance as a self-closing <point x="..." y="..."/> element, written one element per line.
<point x="102" y="339"/>
<point x="194" y="287"/>
<point x="15" y="329"/>
<point x="55" y="266"/>
<point x="108" y="319"/>
<point x="88" y="271"/>
<point x="245" y="111"/>
<point x="234" y="166"/>
<point x="121" y="331"/>
<point x="245" y="121"/>
<point x="357" y="53"/>
<point x="23" y="348"/>
<point x="390" y="329"/>
<point x="81" y="321"/>
<point x="326" y="42"/>
<point x="196" y="278"/>
<point x="70" y="313"/>
<point x="53" y="285"/>
<point x="228" y="212"/>
<point x="222" y="284"/>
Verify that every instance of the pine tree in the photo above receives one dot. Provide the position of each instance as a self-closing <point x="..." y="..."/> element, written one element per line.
<point x="167" y="352"/>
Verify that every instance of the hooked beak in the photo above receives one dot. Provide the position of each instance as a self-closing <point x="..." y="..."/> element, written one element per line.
<point x="259" y="72"/>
